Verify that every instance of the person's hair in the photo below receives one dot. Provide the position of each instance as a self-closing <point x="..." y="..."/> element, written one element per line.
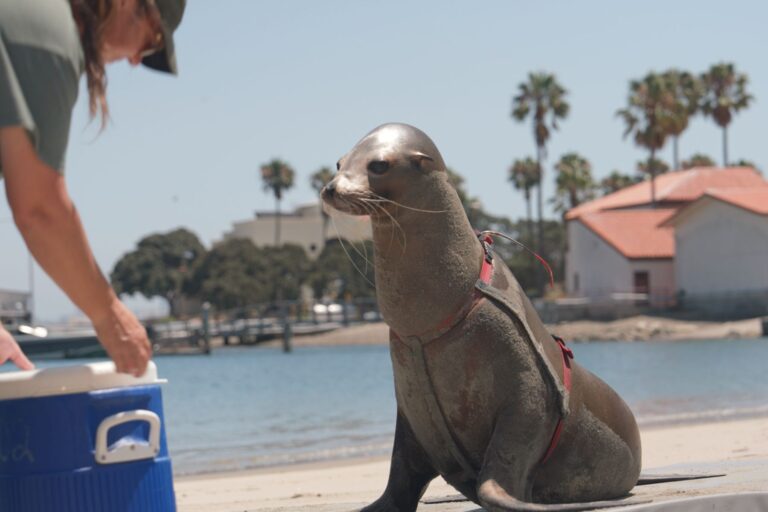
<point x="90" y="16"/>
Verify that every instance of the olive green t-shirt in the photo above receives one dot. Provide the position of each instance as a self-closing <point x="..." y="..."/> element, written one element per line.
<point x="41" y="61"/>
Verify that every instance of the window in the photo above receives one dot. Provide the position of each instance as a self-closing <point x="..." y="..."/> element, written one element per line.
<point x="642" y="282"/>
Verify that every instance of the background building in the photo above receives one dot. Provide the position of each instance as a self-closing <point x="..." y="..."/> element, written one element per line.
<point x="721" y="241"/>
<point x="306" y="226"/>
<point x="707" y="234"/>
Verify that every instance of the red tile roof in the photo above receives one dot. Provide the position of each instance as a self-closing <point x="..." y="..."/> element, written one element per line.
<point x="753" y="199"/>
<point x="674" y="187"/>
<point x="635" y="234"/>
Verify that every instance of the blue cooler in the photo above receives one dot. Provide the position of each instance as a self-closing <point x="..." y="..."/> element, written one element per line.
<point x="83" y="439"/>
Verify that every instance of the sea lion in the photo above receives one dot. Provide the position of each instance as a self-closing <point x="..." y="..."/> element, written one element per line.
<point x="481" y="386"/>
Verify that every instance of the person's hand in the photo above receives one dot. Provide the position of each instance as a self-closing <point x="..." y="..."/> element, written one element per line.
<point x="10" y="350"/>
<point x="124" y="338"/>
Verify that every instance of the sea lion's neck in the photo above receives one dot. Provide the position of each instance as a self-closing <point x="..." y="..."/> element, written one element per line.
<point x="427" y="271"/>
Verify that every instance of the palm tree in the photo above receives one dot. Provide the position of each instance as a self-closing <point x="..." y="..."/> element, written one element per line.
<point x="615" y="182"/>
<point x="686" y="92"/>
<point x="649" y="114"/>
<point x="524" y="175"/>
<point x="318" y="180"/>
<point x="574" y="182"/>
<point x="725" y="93"/>
<point x="746" y="163"/>
<point x="698" y="160"/>
<point x="652" y="167"/>
<point x="277" y="176"/>
<point x="543" y="99"/>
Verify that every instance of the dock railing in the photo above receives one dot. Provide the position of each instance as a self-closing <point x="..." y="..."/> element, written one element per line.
<point x="255" y="323"/>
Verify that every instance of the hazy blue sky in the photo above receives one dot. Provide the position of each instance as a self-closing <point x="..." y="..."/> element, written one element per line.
<point x="304" y="80"/>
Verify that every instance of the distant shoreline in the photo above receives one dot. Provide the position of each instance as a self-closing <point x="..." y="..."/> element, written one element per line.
<point x="637" y="328"/>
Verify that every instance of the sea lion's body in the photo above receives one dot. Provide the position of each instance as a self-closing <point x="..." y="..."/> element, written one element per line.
<point x="478" y="380"/>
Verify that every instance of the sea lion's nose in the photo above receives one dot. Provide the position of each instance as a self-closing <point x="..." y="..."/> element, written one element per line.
<point x="329" y="189"/>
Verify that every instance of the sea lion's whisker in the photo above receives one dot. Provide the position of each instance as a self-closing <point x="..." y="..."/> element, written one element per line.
<point x="380" y="199"/>
<point x="370" y="211"/>
<point x="373" y="207"/>
<point x="395" y="224"/>
<point x="364" y="256"/>
<point x="349" y="257"/>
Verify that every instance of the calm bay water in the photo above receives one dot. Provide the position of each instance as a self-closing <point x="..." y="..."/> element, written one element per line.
<point x="251" y="407"/>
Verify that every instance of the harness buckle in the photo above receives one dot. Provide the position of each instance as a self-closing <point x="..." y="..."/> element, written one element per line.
<point x="487" y="242"/>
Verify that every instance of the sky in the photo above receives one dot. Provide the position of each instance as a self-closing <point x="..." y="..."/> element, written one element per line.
<point x="305" y="80"/>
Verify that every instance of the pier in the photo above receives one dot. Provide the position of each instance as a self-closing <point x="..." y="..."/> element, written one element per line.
<point x="249" y="325"/>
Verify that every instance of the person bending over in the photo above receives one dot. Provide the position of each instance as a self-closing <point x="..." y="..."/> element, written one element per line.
<point x="45" y="47"/>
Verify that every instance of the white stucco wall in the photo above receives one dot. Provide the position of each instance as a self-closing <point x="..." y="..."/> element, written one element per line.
<point x="661" y="274"/>
<point x="720" y="249"/>
<point x="604" y="271"/>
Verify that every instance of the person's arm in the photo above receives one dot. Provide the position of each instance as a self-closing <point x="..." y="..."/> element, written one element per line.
<point x="10" y="351"/>
<point x="51" y="227"/>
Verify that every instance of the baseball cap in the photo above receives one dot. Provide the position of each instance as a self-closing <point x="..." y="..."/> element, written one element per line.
<point x="171" y="12"/>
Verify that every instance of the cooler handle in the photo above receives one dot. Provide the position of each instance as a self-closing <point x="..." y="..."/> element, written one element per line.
<point x="132" y="451"/>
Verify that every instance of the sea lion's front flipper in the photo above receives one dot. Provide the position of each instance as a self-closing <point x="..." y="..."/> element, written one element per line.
<point x="409" y="473"/>
<point x="495" y="499"/>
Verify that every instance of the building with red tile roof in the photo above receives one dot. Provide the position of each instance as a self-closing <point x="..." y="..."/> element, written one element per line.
<point x="620" y="245"/>
<point x="635" y="234"/>
<point x="673" y="189"/>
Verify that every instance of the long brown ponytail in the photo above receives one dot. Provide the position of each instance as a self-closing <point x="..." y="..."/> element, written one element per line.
<point x="90" y="16"/>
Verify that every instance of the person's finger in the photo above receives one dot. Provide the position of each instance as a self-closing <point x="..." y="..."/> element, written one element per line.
<point x="22" y="361"/>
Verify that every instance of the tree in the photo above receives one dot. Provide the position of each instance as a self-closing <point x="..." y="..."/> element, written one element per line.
<point x="524" y="175"/>
<point x="277" y="176"/>
<point x="233" y="274"/>
<point x="159" y="266"/>
<point x="347" y="263"/>
<point x="615" y="182"/>
<point x="746" y="163"/>
<point x="479" y="219"/>
<point x="686" y="92"/>
<point x="236" y="273"/>
<point x="523" y="266"/>
<point x="698" y="160"/>
<point x="724" y="94"/>
<point x="574" y="182"/>
<point x="543" y="99"/>
<point x="288" y="269"/>
<point x="650" y="112"/>
<point x="652" y="167"/>
<point x="319" y="180"/>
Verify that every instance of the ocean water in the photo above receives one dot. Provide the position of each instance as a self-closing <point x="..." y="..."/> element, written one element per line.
<point x="254" y="407"/>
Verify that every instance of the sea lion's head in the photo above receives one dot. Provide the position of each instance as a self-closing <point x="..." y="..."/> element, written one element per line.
<point x="387" y="166"/>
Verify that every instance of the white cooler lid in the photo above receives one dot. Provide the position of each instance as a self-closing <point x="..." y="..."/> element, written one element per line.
<point x="71" y="379"/>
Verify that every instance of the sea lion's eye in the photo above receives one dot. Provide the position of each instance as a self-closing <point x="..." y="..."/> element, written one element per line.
<point x="378" y="166"/>
<point x="338" y="165"/>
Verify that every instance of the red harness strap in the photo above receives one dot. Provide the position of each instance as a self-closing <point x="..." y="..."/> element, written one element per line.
<point x="567" y="356"/>
<point x="486" y="272"/>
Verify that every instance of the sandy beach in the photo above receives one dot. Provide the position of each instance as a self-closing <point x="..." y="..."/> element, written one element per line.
<point x="344" y="485"/>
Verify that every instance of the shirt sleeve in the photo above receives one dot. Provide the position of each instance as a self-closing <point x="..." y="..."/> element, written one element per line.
<point x="38" y="90"/>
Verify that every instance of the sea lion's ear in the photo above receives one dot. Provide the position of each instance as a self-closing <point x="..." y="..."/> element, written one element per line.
<point x="422" y="161"/>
